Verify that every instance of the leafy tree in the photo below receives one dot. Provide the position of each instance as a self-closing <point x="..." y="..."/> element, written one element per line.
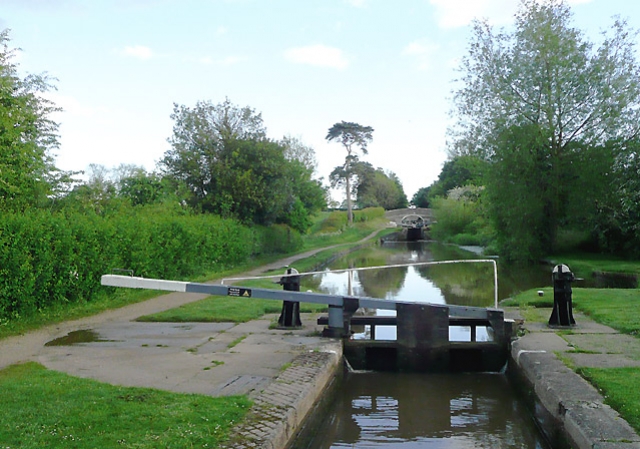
<point x="421" y="197"/>
<point x="27" y="136"/>
<point x="459" y="171"/>
<point x="375" y="187"/>
<point x="545" y="89"/>
<point x="296" y="150"/>
<point x="352" y="136"/>
<point x="221" y="154"/>
<point x="142" y="188"/>
<point x="617" y="220"/>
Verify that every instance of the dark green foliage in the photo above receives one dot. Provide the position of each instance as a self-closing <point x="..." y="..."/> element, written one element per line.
<point x="617" y="217"/>
<point x="48" y="259"/>
<point x="460" y="220"/>
<point x="459" y="171"/>
<point x="375" y="187"/>
<point x="221" y="156"/>
<point x="421" y="197"/>
<point x="278" y="239"/>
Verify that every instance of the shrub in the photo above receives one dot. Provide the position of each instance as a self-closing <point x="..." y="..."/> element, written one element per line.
<point x="279" y="239"/>
<point x="52" y="258"/>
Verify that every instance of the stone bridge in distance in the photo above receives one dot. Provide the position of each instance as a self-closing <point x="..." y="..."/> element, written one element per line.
<point x="413" y="221"/>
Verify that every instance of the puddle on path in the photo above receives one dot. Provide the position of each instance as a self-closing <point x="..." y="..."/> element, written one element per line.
<point x="76" y="337"/>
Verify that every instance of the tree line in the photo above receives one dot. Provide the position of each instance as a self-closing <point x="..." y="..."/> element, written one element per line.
<point x="544" y="150"/>
<point x="223" y="192"/>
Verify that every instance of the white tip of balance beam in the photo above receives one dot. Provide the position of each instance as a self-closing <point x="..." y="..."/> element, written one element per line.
<point x="112" y="280"/>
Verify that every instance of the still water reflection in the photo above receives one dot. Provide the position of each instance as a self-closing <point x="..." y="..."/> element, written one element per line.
<point x="406" y="411"/>
<point x="460" y="284"/>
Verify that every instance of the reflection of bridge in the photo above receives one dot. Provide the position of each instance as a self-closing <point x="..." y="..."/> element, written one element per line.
<point x="413" y="221"/>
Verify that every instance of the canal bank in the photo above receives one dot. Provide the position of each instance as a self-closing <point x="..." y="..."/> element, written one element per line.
<point x="568" y="408"/>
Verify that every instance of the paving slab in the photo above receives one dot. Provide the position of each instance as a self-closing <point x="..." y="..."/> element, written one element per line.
<point x="205" y="358"/>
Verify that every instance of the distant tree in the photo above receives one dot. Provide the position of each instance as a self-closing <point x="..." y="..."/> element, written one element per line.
<point x="142" y="188"/>
<point x="421" y="197"/>
<point x="28" y="176"/>
<point x="200" y="137"/>
<point x="98" y="193"/>
<point x="295" y="150"/>
<point x="221" y="154"/>
<point x="375" y="187"/>
<point x="352" y="136"/>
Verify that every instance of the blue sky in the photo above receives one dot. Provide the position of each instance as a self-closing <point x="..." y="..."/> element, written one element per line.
<point x="304" y="64"/>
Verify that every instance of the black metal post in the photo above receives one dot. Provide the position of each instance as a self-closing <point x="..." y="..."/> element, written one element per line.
<point x="562" y="314"/>
<point x="290" y="315"/>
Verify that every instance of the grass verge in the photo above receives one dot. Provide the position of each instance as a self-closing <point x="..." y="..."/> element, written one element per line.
<point x="224" y="309"/>
<point x="80" y="413"/>
<point x="619" y="386"/>
<point x="114" y="300"/>
<point x="616" y="308"/>
<point x="585" y="264"/>
<point x="609" y="306"/>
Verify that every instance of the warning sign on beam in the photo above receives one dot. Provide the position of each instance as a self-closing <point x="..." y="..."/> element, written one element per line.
<point x="240" y="292"/>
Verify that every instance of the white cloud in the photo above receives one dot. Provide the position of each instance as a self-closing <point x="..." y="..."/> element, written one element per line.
<point x="222" y="30"/>
<point x="231" y="60"/>
<point x="317" y="55"/>
<point x="459" y="13"/>
<point x="422" y="51"/>
<point x="138" y="51"/>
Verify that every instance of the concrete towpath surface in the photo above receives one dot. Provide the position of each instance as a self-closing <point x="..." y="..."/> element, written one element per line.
<point x="541" y="356"/>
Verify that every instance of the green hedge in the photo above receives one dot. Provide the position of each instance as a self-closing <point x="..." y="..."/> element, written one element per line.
<point x="53" y="258"/>
<point x="277" y="239"/>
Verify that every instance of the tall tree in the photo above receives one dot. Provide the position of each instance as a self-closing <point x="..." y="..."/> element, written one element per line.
<point x="27" y="136"/>
<point x="545" y="78"/>
<point x="352" y="136"/>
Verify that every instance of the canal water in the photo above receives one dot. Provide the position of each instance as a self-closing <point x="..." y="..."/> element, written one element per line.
<point x="407" y="411"/>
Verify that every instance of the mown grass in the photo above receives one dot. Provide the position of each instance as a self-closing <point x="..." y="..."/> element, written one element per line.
<point x="585" y="264"/>
<point x="224" y="309"/>
<point x="72" y="311"/>
<point x="620" y="389"/>
<point x="43" y="408"/>
<point x="617" y="308"/>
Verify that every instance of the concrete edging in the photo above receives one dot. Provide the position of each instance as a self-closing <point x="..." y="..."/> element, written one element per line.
<point x="574" y="405"/>
<point x="280" y="410"/>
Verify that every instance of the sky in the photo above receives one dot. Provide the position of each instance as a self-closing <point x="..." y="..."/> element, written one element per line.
<point x="120" y="65"/>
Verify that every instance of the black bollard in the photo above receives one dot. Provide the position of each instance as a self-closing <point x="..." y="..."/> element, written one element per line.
<point x="562" y="314"/>
<point x="290" y="315"/>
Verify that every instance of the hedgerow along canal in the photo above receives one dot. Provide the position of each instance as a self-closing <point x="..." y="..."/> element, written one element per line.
<point x="404" y="410"/>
